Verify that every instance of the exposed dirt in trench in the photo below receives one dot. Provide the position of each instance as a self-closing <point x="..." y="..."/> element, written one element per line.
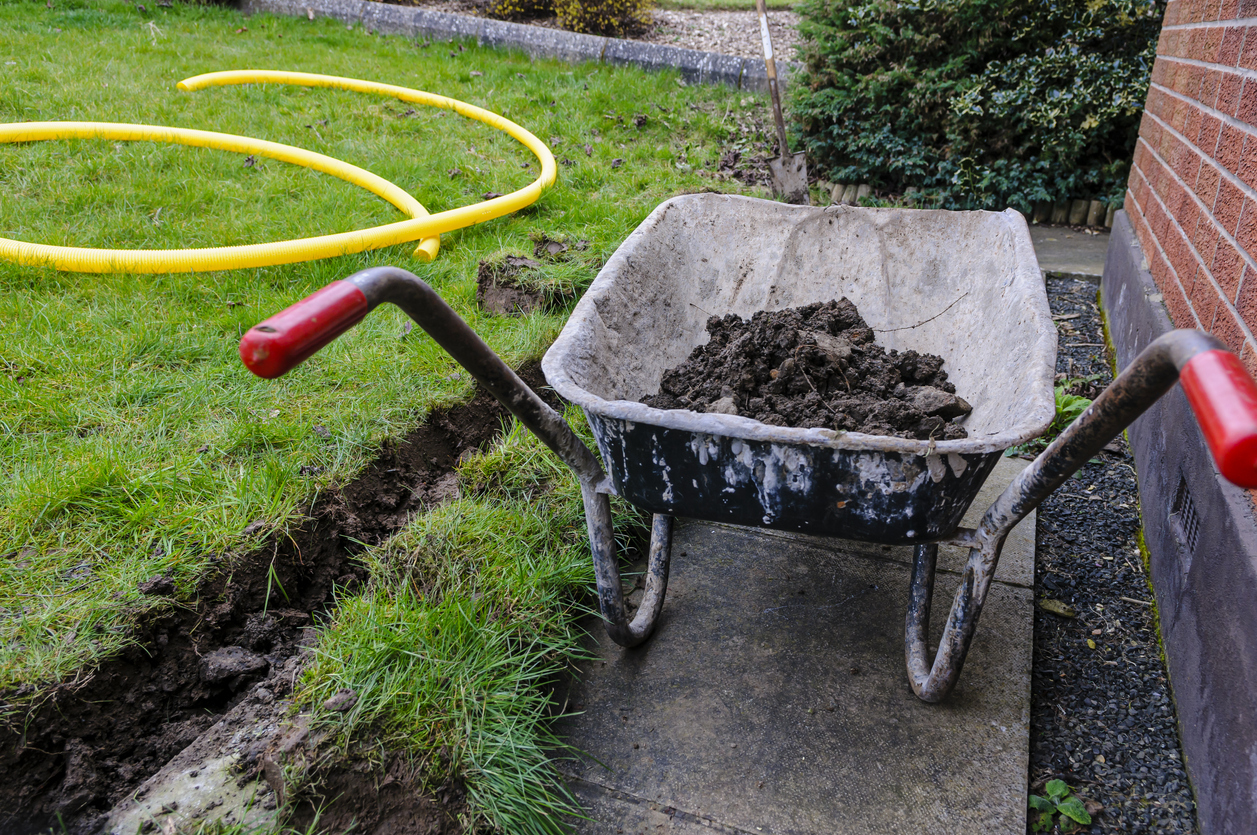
<point x="814" y="366"/>
<point x="89" y="745"/>
<point x="380" y="799"/>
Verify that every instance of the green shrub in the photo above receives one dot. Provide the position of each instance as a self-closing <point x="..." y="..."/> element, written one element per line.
<point x="980" y="103"/>
<point x="519" y="9"/>
<point x="603" y="17"/>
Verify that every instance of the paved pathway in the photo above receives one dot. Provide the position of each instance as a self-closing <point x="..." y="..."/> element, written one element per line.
<point x="1062" y="250"/>
<point x="773" y="697"/>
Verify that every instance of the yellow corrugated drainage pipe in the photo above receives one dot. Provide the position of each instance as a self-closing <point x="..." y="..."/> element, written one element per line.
<point x="421" y="226"/>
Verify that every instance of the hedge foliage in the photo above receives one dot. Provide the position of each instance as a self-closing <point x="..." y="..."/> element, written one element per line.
<point x="981" y="103"/>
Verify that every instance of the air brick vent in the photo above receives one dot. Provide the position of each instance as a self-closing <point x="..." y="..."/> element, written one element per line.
<point x="1188" y="519"/>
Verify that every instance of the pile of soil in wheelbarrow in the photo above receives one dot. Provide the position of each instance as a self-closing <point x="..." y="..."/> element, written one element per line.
<point x="814" y="366"/>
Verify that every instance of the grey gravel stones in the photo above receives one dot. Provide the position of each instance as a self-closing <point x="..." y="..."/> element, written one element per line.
<point x="1102" y="719"/>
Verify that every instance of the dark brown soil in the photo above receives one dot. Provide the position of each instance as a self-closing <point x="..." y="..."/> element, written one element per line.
<point x="498" y="289"/>
<point x="814" y="366"/>
<point x="388" y="800"/>
<point x="89" y="743"/>
<point x="502" y="285"/>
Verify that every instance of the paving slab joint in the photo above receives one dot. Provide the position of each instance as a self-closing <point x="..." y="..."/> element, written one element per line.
<point x="670" y="811"/>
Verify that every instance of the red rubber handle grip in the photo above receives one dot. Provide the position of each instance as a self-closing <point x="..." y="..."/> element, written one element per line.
<point x="1224" y="399"/>
<point x="292" y="336"/>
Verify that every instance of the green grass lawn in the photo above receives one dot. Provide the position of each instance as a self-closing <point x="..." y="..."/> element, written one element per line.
<point x="133" y="442"/>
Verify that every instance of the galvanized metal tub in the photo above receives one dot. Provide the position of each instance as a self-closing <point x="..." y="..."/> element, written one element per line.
<point x="963" y="285"/>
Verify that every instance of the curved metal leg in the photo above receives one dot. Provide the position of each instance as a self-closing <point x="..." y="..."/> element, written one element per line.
<point x="607" y="571"/>
<point x="932" y="682"/>
<point x="1138" y="386"/>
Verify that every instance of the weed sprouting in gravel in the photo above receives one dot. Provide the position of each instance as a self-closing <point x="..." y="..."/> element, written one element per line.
<point x="1069" y="406"/>
<point x="1059" y="808"/>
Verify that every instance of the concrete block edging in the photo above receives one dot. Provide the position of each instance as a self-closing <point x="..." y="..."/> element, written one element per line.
<point x="696" y="67"/>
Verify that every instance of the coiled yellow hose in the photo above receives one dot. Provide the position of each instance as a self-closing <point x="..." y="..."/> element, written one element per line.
<point x="421" y="226"/>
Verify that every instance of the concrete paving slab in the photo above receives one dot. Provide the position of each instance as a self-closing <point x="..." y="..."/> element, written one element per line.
<point x="387" y="19"/>
<point x="773" y="699"/>
<point x="1062" y="250"/>
<point x="347" y="11"/>
<point x="696" y="67"/>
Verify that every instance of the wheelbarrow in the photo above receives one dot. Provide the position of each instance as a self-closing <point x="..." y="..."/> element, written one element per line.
<point x="964" y="285"/>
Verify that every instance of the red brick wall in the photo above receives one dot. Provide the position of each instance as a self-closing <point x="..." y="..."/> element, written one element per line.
<point x="1192" y="196"/>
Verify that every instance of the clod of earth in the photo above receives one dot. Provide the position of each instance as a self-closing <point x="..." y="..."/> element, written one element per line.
<point x="159" y="585"/>
<point x="815" y="366"/>
<point x="548" y="248"/>
<point x="498" y="287"/>
<point x="341" y="701"/>
<point x="511" y="285"/>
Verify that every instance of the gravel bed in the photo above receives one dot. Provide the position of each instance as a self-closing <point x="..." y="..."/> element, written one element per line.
<point x="725" y="32"/>
<point x="1101" y="719"/>
<point x="729" y="33"/>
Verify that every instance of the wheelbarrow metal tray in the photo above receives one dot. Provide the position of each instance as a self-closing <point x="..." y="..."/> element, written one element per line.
<point x="963" y="285"/>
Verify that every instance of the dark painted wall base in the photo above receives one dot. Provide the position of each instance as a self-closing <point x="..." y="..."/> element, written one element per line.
<point x="1202" y="536"/>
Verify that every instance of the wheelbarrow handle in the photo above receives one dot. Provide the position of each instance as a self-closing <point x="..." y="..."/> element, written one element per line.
<point x="290" y="337"/>
<point x="1224" y="400"/>
<point x="285" y="340"/>
<point x="1222" y="396"/>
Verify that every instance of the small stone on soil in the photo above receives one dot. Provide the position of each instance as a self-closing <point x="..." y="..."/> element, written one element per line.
<point x="230" y="662"/>
<point x="158" y="586"/>
<point x="341" y="701"/>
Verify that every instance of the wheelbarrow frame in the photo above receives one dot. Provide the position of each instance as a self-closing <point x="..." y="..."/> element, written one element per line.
<point x="1221" y="393"/>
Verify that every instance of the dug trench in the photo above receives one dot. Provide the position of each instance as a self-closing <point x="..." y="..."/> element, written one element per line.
<point x="87" y="745"/>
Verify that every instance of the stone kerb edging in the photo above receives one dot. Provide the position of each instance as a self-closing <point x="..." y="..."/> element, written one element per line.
<point x="696" y="67"/>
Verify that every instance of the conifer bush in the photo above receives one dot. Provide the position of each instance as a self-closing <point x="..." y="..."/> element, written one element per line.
<point x="978" y="103"/>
